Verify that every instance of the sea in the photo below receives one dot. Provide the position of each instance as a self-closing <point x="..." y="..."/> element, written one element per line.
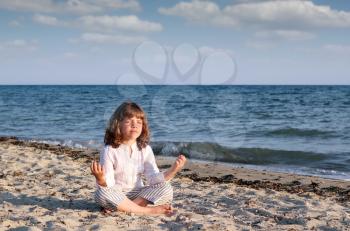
<point x="295" y="129"/>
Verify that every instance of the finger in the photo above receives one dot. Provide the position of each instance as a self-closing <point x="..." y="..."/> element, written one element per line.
<point x="170" y="211"/>
<point x="95" y="166"/>
<point x="91" y="167"/>
<point x="99" y="168"/>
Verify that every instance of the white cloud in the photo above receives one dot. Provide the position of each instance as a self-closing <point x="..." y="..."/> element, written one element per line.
<point x="276" y="14"/>
<point x="292" y="13"/>
<point x="14" y="23"/>
<point x="47" y="20"/>
<point x="337" y="48"/>
<point x="267" y="39"/>
<point x="22" y="44"/>
<point x="69" y="6"/>
<point x="80" y="7"/>
<point x="260" y="45"/>
<point x="95" y="49"/>
<point x="30" y="5"/>
<point x="98" y="38"/>
<point x="292" y="35"/>
<point x="129" y="22"/>
<point x="102" y="23"/>
<point x="199" y="11"/>
<point x="206" y="50"/>
<point x="19" y="45"/>
<point x="70" y="55"/>
<point x="193" y="11"/>
<point x="119" y="4"/>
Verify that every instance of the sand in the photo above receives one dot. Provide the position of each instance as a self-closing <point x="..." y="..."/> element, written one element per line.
<point x="48" y="187"/>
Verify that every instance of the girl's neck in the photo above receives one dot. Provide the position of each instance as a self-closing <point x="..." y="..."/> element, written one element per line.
<point x="129" y="142"/>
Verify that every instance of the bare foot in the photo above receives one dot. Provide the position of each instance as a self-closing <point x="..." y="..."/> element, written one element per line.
<point x="163" y="209"/>
<point x="105" y="211"/>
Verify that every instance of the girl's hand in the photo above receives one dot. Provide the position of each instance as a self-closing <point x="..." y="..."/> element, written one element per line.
<point x="179" y="163"/>
<point x="97" y="170"/>
<point x="175" y="168"/>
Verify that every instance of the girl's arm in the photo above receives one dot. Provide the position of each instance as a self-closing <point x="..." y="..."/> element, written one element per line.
<point x="104" y="173"/>
<point x="175" y="168"/>
<point x="151" y="170"/>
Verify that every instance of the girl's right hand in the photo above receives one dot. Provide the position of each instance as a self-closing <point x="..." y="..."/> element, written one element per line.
<point x="97" y="170"/>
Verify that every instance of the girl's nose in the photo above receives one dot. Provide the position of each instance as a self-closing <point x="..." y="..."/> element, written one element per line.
<point x="133" y="124"/>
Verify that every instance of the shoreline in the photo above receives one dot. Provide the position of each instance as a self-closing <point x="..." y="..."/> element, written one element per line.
<point x="218" y="172"/>
<point x="159" y="147"/>
<point x="45" y="186"/>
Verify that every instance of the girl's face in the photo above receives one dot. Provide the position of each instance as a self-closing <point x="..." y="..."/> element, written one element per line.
<point x="131" y="128"/>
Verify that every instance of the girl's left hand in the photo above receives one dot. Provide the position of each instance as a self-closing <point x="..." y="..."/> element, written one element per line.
<point x="175" y="168"/>
<point x="179" y="163"/>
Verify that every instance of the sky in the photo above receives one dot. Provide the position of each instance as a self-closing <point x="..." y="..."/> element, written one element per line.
<point x="174" y="42"/>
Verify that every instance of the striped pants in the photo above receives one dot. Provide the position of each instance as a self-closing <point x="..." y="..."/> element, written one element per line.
<point x="157" y="194"/>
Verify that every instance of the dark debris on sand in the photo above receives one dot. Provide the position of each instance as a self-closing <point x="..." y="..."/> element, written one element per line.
<point x="295" y="187"/>
<point x="75" y="153"/>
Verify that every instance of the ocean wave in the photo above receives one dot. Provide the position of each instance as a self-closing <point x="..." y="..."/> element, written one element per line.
<point x="300" y="132"/>
<point x="66" y="142"/>
<point x="256" y="156"/>
<point x="208" y="151"/>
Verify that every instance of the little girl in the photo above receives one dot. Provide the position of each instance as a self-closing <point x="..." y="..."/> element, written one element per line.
<point x="125" y="159"/>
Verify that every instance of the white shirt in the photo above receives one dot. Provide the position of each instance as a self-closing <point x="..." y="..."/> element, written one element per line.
<point x="125" y="170"/>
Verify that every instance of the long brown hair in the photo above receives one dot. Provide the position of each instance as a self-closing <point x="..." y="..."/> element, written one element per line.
<point x="126" y="110"/>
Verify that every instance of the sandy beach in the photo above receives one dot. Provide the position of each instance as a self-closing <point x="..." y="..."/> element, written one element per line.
<point x="49" y="187"/>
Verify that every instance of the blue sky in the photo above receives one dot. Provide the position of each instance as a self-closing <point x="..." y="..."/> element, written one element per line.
<point x="174" y="42"/>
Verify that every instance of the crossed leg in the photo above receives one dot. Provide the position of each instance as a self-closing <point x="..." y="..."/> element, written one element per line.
<point x="141" y="201"/>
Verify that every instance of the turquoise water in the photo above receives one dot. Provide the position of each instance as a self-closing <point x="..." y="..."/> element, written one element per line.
<point x="304" y="129"/>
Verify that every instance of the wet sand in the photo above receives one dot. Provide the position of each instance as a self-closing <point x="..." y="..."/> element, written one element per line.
<point x="49" y="187"/>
